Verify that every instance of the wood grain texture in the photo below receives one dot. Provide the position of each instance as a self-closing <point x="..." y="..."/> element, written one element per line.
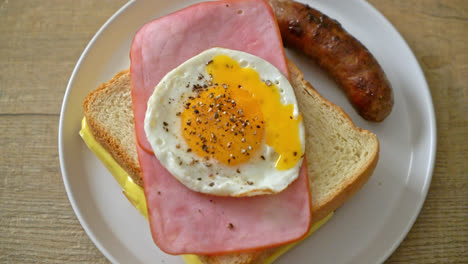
<point x="40" y="42"/>
<point x="437" y="32"/>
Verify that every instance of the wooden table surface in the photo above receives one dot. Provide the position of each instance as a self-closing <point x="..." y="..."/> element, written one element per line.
<point x="40" y="42"/>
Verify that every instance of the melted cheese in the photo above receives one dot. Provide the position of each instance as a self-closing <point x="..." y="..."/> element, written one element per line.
<point x="131" y="190"/>
<point x="136" y="196"/>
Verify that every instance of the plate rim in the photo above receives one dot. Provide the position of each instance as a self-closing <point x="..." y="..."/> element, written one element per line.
<point x="432" y="133"/>
<point x="429" y="107"/>
<point x="63" y="110"/>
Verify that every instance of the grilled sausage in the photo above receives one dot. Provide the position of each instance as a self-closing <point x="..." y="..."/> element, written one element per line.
<point x="340" y="54"/>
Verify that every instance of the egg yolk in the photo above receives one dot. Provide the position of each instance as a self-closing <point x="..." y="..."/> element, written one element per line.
<point x="228" y="118"/>
<point x="224" y="123"/>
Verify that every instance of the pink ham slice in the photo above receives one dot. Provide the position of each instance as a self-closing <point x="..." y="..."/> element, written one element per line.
<point x="183" y="221"/>
<point x="165" y="43"/>
<point x="186" y="222"/>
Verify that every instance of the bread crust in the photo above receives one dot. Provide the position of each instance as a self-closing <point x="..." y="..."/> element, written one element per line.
<point x="101" y="134"/>
<point x="324" y="208"/>
<point x="319" y="210"/>
<point x="355" y="182"/>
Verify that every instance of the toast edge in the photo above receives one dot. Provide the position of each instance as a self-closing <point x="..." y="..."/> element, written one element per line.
<point x="361" y="177"/>
<point x="320" y="212"/>
<point x="101" y="135"/>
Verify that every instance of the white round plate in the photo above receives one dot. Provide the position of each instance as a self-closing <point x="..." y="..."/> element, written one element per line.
<point x="367" y="229"/>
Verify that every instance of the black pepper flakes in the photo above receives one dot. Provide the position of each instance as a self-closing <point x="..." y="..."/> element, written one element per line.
<point x="230" y="226"/>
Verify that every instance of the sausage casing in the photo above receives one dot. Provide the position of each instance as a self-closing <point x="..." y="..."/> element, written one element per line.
<point x="352" y="66"/>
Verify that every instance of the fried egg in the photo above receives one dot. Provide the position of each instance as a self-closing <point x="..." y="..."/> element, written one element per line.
<point x="227" y="123"/>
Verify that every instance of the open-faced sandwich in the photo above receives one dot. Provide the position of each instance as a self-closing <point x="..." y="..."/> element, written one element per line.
<point x="218" y="140"/>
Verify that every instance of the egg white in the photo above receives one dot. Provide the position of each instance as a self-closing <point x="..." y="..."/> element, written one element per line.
<point x="162" y="127"/>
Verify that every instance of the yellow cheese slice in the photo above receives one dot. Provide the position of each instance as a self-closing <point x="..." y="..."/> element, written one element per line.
<point x="136" y="196"/>
<point x="132" y="191"/>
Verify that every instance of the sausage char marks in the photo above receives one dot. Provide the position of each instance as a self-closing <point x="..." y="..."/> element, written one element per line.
<point x="340" y="54"/>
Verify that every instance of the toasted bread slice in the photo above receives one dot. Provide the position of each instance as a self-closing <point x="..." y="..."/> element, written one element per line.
<point x="341" y="157"/>
<point x="109" y="114"/>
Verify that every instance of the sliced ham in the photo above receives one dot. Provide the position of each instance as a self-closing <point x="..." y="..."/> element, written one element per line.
<point x="183" y="221"/>
<point x="165" y="43"/>
<point x="186" y="222"/>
